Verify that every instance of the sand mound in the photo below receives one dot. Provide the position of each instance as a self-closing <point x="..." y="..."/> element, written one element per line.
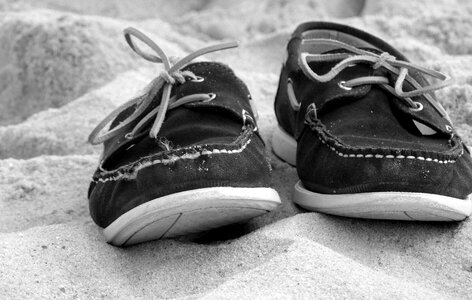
<point x="417" y="8"/>
<point x="219" y="20"/>
<point x="135" y="10"/>
<point x="308" y="255"/>
<point x="65" y="130"/>
<point x="48" y="59"/>
<point x="30" y="186"/>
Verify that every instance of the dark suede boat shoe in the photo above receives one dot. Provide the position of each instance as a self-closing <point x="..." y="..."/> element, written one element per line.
<point x="365" y="131"/>
<point x="183" y="158"/>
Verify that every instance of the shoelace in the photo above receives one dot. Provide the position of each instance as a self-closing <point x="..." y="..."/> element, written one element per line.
<point x="171" y="75"/>
<point x="383" y="60"/>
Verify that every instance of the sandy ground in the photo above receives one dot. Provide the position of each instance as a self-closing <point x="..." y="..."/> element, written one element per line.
<point x="65" y="65"/>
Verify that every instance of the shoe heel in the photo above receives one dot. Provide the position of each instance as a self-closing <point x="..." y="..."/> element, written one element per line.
<point x="284" y="146"/>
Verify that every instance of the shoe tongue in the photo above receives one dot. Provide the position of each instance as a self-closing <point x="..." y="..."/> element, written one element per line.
<point x="331" y="94"/>
<point x="232" y="95"/>
<point x="327" y="95"/>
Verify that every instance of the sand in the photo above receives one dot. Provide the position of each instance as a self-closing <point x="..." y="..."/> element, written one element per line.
<point x="64" y="66"/>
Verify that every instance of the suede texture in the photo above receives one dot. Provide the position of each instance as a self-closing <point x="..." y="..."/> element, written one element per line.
<point x="365" y="139"/>
<point x="200" y="145"/>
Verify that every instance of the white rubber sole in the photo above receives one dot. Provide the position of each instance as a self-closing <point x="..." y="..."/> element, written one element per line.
<point x="385" y="205"/>
<point x="284" y="146"/>
<point x="189" y="212"/>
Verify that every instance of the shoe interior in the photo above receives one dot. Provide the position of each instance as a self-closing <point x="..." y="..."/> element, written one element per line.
<point x="332" y="35"/>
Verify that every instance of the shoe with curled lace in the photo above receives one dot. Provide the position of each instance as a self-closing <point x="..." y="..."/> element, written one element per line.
<point x="367" y="135"/>
<point x="183" y="157"/>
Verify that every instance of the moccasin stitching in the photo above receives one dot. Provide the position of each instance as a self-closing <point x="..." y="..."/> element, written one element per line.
<point x="352" y="155"/>
<point x="336" y="146"/>
<point x="129" y="171"/>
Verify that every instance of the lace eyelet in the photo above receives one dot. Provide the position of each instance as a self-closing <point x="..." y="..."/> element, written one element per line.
<point x="198" y="79"/>
<point x="128" y="136"/>
<point x="212" y="97"/>
<point x="449" y="128"/>
<point x="341" y="84"/>
<point x="419" y="107"/>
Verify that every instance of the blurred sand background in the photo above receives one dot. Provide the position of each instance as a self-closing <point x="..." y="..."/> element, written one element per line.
<point x="64" y="65"/>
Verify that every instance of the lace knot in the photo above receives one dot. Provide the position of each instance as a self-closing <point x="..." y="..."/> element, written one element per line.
<point x="172" y="78"/>
<point x="384" y="57"/>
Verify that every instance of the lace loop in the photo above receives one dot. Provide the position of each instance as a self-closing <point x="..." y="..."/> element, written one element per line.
<point x="161" y="58"/>
<point x="170" y="76"/>
<point x="385" y="60"/>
